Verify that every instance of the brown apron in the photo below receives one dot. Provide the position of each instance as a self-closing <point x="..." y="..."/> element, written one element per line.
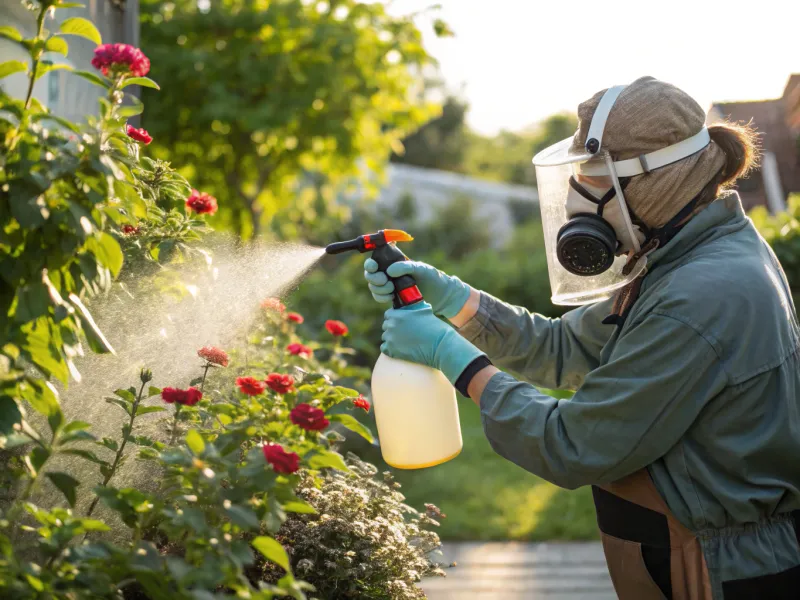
<point x="650" y="555"/>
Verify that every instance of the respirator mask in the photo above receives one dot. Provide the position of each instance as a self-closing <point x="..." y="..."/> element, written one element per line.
<point x="591" y="235"/>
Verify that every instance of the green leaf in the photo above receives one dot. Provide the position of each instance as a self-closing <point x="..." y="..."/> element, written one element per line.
<point x="107" y="251"/>
<point x="10" y="33"/>
<point x="272" y="550"/>
<point x="95" y="337"/>
<point x="143" y="410"/>
<point x="73" y="426"/>
<point x="93" y="525"/>
<point x="243" y="517"/>
<point x="57" y="44"/>
<point x="195" y="442"/>
<point x="124" y="405"/>
<point x="109" y="443"/>
<point x="81" y="27"/>
<point x="299" y="506"/>
<point x="93" y="78"/>
<point x="77" y="436"/>
<point x="442" y="29"/>
<point x="130" y="110"/>
<point x="34" y="582"/>
<point x="45" y="67"/>
<point x="60" y="120"/>
<point x="142" y="81"/>
<point x="85" y="454"/>
<point x="327" y="458"/>
<point x="42" y="397"/>
<point x="33" y="301"/>
<point x="127" y="395"/>
<point x="38" y="457"/>
<point x="353" y="425"/>
<point x="10" y="67"/>
<point x="10" y="415"/>
<point x="153" y="391"/>
<point x="67" y="484"/>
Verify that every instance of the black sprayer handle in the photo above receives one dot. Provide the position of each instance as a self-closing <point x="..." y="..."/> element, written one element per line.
<point x="405" y="287"/>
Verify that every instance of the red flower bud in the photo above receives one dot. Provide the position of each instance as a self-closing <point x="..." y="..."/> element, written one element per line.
<point x="130" y="230"/>
<point x="201" y="203"/>
<point x="251" y="386"/>
<point x="361" y="402"/>
<point x="299" y="350"/>
<point x="140" y="135"/>
<point x="188" y="397"/>
<point x="281" y="461"/>
<point x="336" y="328"/>
<point x="213" y="355"/>
<point x="294" y="317"/>
<point x="308" y="417"/>
<point x="281" y="384"/>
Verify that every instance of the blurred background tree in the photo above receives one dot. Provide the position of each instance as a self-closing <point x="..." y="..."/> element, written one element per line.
<point x="265" y="96"/>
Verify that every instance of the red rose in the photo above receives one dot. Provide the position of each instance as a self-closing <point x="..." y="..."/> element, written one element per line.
<point x="121" y="58"/>
<point x="251" y="386"/>
<point x="130" y="230"/>
<point x="280" y="383"/>
<point x="294" y="317"/>
<point x="336" y="328"/>
<point x="361" y="402"/>
<point x="213" y="355"/>
<point x="140" y="135"/>
<point x="308" y="417"/>
<point x="273" y="304"/>
<point x="299" y="350"/>
<point x="282" y="461"/>
<point x="201" y="203"/>
<point x="188" y="397"/>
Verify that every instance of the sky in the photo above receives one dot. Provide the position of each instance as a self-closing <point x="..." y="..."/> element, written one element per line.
<point x="522" y="60"/>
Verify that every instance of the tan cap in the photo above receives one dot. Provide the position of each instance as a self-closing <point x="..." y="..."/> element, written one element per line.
<point x="649" y="115"/>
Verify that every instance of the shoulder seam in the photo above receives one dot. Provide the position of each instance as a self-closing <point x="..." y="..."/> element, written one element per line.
<point x="712" y="342"/>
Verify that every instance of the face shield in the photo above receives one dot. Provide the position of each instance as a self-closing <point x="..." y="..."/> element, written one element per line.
<point x="589" y="235"/>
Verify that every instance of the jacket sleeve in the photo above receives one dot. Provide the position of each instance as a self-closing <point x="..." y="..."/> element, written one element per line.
<point x="552" y="353"/>
<point x="628" y="413"/>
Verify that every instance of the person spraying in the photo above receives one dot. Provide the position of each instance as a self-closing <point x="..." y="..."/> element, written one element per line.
<point x="684" y="352"/>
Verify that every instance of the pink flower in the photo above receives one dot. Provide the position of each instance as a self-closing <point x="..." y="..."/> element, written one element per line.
<point x="250" y="386"/>
<point x="281" y="384"/>
<point x="361" y="402"/>
<point x="130" y="230"/>
<point x="213" y="355"/>
<point x="140" y="135"/>
<point x="120" y="58"/>
<point x="201" y="203"/>
<point x="188" y="397"/>
<point x="295" y="317"/>
<point x="308" y="417"/>
<point x="273" y="304"/>
<point x="336" y="328"/>
<point x="283" y="462"/>
<point x="299" y="350"/>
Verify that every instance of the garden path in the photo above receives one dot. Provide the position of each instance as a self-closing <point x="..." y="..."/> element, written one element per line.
<point x="517" y="571"/>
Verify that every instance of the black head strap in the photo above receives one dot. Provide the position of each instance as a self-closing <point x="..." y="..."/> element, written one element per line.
<point x="601" y="203"/>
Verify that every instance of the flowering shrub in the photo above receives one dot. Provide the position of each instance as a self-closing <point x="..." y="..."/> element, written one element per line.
<point x="782" y="231"/>
<point x="233" y="444"/>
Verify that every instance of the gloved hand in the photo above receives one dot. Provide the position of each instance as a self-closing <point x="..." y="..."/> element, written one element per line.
<point x="447" y="295"/>
<point x="415" y="334"/>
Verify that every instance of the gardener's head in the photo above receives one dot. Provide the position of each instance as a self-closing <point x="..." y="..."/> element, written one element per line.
<point x="649" y="115"/>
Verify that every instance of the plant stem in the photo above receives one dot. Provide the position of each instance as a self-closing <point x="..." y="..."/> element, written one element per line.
<point x="175" y="425"/>
<point x="125" y="436"/>
<point x="37" y="58"/>
<point x="205" y="372"/>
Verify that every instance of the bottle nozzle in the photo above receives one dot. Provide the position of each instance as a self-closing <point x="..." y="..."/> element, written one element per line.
<point x="369" y="241"/>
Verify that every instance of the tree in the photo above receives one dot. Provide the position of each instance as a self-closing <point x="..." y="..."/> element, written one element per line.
<point x="440" y="143"/>
<point x="265" y="94"/>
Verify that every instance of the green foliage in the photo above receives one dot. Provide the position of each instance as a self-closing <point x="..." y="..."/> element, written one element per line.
<point x="782" y="232"/>
<point x="261" y="97"/>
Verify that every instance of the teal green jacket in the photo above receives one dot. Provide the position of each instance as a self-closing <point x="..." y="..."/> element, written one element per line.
<point x="701" y="385"/>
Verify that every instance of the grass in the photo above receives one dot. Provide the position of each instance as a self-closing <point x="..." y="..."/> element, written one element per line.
<point x="486" y="497"/>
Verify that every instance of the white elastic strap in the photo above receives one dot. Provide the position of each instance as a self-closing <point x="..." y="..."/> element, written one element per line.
<point x="654" y="160"/>
<point x="598" y="124"/>
<point x="623" y="207"/>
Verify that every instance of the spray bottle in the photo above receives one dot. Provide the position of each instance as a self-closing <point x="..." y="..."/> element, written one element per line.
<point x="415" y="406"/>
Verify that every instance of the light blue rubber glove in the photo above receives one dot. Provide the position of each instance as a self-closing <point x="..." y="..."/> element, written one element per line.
<point x="415" y="334"/>
<point x="446" y="294"/>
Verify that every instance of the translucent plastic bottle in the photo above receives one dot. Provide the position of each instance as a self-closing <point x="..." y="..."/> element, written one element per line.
<point x="416" y="413"/>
